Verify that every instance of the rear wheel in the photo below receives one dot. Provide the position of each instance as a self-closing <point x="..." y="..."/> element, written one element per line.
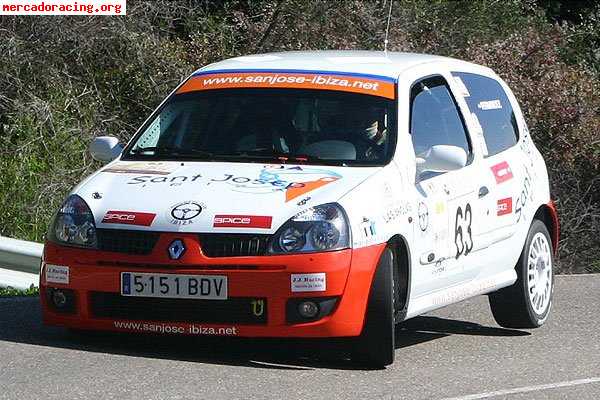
<point x="375" y="346"/>
<point x="527" y="303"/>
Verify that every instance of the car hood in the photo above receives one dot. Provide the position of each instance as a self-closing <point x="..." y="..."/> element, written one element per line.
<point x="212" y="196"/>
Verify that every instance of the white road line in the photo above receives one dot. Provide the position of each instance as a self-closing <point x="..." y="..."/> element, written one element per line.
<point x="525" y="389"/>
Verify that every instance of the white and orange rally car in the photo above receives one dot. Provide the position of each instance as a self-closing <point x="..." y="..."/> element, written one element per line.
<point x="310" y="194"/>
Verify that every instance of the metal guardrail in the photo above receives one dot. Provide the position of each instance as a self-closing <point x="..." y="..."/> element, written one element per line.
<point x="19" y="263"/>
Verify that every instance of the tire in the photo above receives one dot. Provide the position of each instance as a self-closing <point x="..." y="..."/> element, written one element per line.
<point x="527" y="303"/>
<point x="375" y="346"/>
<point x="84" y="334"/>
<point x="77" y="332"/>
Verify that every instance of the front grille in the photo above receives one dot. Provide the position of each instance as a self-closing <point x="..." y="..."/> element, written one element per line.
<point x="205" y="267"/>
<point x="233" y="245"/>
<point x="235" y="310"/>
<point x="129" y="242"/>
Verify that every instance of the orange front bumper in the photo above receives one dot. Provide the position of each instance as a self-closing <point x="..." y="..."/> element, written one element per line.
<point x="349" y="274"/>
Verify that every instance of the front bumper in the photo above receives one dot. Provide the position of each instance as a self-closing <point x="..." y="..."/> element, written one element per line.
<point x="348" y="278"/>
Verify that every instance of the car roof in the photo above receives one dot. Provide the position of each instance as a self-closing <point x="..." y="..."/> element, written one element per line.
<point x="388" y="64"/>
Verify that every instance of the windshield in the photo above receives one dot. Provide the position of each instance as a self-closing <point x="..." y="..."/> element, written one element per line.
<point x="258" y="125"/>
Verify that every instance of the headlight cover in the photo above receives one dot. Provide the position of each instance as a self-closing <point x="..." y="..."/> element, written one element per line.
<point x="319" y="228"/>
<point x="74" y="224"/>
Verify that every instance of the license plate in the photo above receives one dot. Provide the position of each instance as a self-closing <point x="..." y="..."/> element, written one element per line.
<point x="207" y="287"/>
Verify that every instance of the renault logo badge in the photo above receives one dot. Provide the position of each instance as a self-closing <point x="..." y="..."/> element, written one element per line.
<point x="176" y="249"/>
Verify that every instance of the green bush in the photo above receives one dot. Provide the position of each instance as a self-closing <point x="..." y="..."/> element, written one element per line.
<point x="65" y="80"/>
<point x="11" y="292"/>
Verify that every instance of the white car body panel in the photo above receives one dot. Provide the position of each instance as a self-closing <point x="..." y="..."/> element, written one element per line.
<point x="220" y="188"/>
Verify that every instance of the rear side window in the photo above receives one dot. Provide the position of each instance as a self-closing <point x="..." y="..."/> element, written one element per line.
<point x="488" y="101"/>
<point x="434" y="117"/>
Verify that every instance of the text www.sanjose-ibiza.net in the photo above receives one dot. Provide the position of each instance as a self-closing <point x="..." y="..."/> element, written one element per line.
<point x="192" y="329"/>
<point x="270" y="79"/>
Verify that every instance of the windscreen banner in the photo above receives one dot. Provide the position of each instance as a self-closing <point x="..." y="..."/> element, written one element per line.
<point x="356" y="83"/>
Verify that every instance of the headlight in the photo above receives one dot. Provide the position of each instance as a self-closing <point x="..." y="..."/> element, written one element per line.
<point x="320" y="228"/>
<point x="74" y="224"/>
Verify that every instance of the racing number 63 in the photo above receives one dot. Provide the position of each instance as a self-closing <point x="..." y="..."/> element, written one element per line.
<point x="463" y="242"/>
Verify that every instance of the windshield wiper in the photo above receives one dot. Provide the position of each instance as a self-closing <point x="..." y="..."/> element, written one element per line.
<point x="257" y="154"/>
<point x="172" y="151"/>
<point x="273" y="154"/>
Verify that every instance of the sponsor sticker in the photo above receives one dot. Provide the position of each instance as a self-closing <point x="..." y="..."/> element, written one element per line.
<point x="258" y="307"/>
<point x="151" y="168"/>
<point x="525" y="197"/>
<point x="294" y="181"/>
<point x="185" y="213"/>
<point x="242" y="221"/>
<point x="462" y="88"/>
<point x="177" y="180"/>
<point x="367" y="232"/>
<point x="396" y="210"/>
<point x="128" y="218"/>
<point x="505" y="206"/>
<point x="464" y="291"/>
<point x="440" y="207"/>
<point x="304" y="201"/>
<point x="356" y="83"/>
<point x="502" y="172"/>
<point x="175" y="328"/>
<point x="309" y="282"/>
<point x="423" y="216"/>
<point x="57" y="274"/>
<point x="490" y="105"/>
<point x="440" y="267"/>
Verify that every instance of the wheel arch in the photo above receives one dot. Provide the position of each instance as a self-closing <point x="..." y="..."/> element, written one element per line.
<point x="402" y="263"/>
<point x="549" y="216"/>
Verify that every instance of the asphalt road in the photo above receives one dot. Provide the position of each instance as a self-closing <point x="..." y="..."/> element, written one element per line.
<point x="455" y="352"/>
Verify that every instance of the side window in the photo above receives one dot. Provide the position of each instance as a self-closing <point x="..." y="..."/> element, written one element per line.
<point x="488" y="101"/>
<point x="434" y="117"/>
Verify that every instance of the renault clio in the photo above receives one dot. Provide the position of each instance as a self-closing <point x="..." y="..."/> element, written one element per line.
<point x="313" y="195"/>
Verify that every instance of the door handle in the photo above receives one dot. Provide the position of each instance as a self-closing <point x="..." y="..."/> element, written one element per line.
<point x="483" y="191"/>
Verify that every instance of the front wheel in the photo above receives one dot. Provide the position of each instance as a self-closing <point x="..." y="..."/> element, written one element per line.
<point x="375" y="346"/>
<point x="527" y="303"/>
